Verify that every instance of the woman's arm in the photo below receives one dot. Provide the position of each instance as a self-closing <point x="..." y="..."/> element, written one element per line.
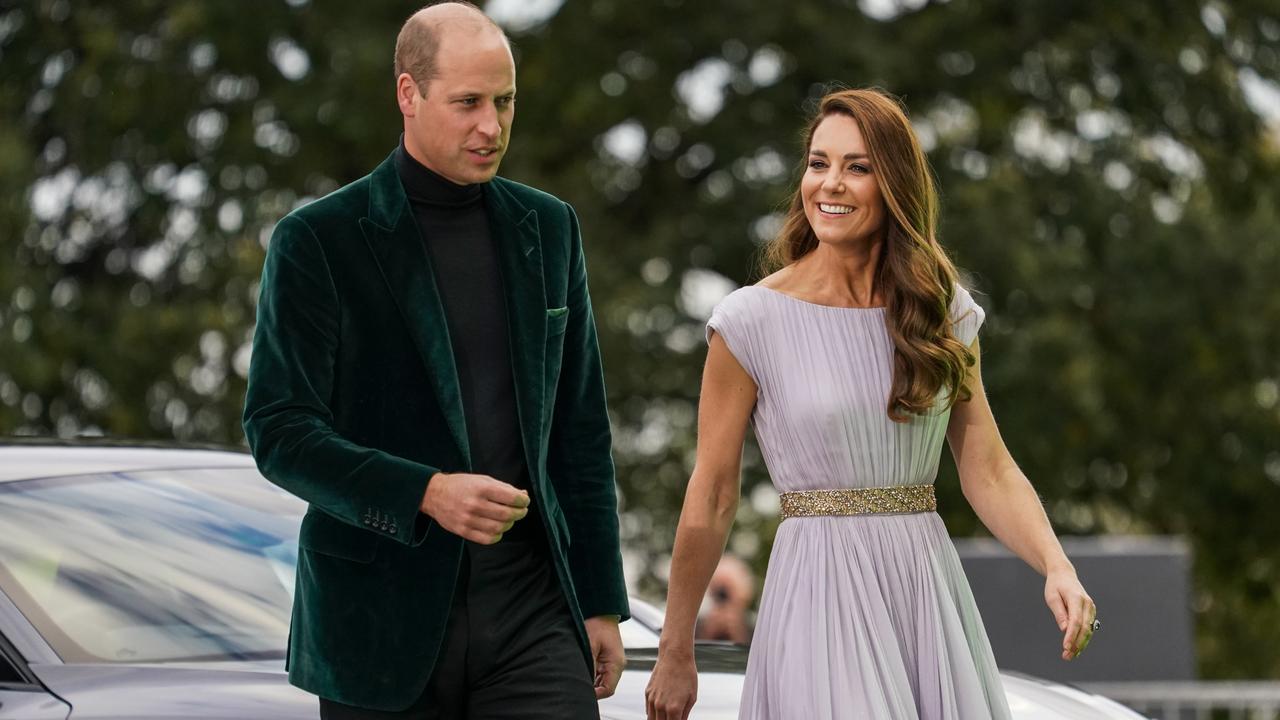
<point x="1007" y="504"/>
<point x="710" y="503"/>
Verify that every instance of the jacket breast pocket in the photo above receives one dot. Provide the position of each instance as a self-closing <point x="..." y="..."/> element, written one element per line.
<point x="322" y="533"/>
<point x="557" y="320"/>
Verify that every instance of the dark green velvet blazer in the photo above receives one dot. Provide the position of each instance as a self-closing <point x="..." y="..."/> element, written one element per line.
<point x="353" y="404"/>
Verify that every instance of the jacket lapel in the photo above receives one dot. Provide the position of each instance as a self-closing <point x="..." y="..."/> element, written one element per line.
<point x="515" y="233"/>
<point x="402" y="257"/>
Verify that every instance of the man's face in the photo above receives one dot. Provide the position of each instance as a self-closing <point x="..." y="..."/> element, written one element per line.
<point x="461" y="127"/>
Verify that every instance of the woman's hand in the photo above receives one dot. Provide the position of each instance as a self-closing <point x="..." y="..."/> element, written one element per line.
<point x="673" y="686"/>
<point x="1072" y="608"/>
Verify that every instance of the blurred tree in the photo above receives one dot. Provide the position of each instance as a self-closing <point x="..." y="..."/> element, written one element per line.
<point x="1108" y="178"/>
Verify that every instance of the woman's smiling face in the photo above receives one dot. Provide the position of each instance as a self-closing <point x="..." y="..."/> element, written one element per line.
<point x="841" y="196"/>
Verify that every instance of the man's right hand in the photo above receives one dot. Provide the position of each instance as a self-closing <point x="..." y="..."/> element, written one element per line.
<point x="474" y="507"/>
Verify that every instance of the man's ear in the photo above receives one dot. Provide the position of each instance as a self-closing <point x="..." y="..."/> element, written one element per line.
<point x="407" y="95"/>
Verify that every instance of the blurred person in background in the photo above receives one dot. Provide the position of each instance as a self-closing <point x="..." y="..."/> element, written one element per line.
<point x="426" y="375"/>
<point x="853" y="362"/>
<point x="727" y="606"/>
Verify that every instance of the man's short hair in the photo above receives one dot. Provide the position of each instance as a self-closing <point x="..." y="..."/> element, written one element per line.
<point x="419" y="42"/>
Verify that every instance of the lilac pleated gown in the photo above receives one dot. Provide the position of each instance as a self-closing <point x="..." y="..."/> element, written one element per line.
<point x="866" y="616"/>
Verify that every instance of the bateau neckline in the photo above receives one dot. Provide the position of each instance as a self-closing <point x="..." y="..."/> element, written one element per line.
<point x="793" y="298"/>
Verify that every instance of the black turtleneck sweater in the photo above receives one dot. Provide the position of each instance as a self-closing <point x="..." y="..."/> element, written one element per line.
<point x="452" y="221"/>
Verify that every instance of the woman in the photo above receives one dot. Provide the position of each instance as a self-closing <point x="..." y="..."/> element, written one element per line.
<point x="853" y="361"/>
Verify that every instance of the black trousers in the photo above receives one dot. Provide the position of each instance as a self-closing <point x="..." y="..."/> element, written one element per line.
<point x="510" y="651"/>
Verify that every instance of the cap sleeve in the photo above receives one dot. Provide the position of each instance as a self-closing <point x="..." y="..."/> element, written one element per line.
<point x="732" y="321"/>
<point x="966" y="316"/>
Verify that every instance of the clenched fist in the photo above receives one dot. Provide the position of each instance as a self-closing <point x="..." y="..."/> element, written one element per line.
<point x="474" y="507"/>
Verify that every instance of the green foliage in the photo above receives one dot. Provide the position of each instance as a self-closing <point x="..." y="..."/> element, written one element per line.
<point x="1105" y="180"/>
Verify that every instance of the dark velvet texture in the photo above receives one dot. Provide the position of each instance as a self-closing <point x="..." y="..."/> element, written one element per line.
<point x="353" y="404"/>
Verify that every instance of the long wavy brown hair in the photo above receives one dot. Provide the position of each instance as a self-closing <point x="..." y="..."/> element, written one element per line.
<point x="915" y="276"/>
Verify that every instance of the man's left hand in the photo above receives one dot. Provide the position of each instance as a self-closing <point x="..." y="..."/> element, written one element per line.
<point x="606" y="652"/>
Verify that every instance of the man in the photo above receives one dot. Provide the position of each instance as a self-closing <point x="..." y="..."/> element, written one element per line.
<point x="426" y="375"/>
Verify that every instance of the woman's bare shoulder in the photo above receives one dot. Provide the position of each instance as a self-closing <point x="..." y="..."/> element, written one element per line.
<point x="776" y="280"/>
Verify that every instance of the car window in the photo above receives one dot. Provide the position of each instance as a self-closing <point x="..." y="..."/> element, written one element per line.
<point x="9" y="674"/>
<point x="152" y="566"/>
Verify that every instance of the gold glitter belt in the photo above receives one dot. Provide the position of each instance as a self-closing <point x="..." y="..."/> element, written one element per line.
<point x="859" y="501"/>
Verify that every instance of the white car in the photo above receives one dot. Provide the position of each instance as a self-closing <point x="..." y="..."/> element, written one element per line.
<point x="156" y="582"/>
